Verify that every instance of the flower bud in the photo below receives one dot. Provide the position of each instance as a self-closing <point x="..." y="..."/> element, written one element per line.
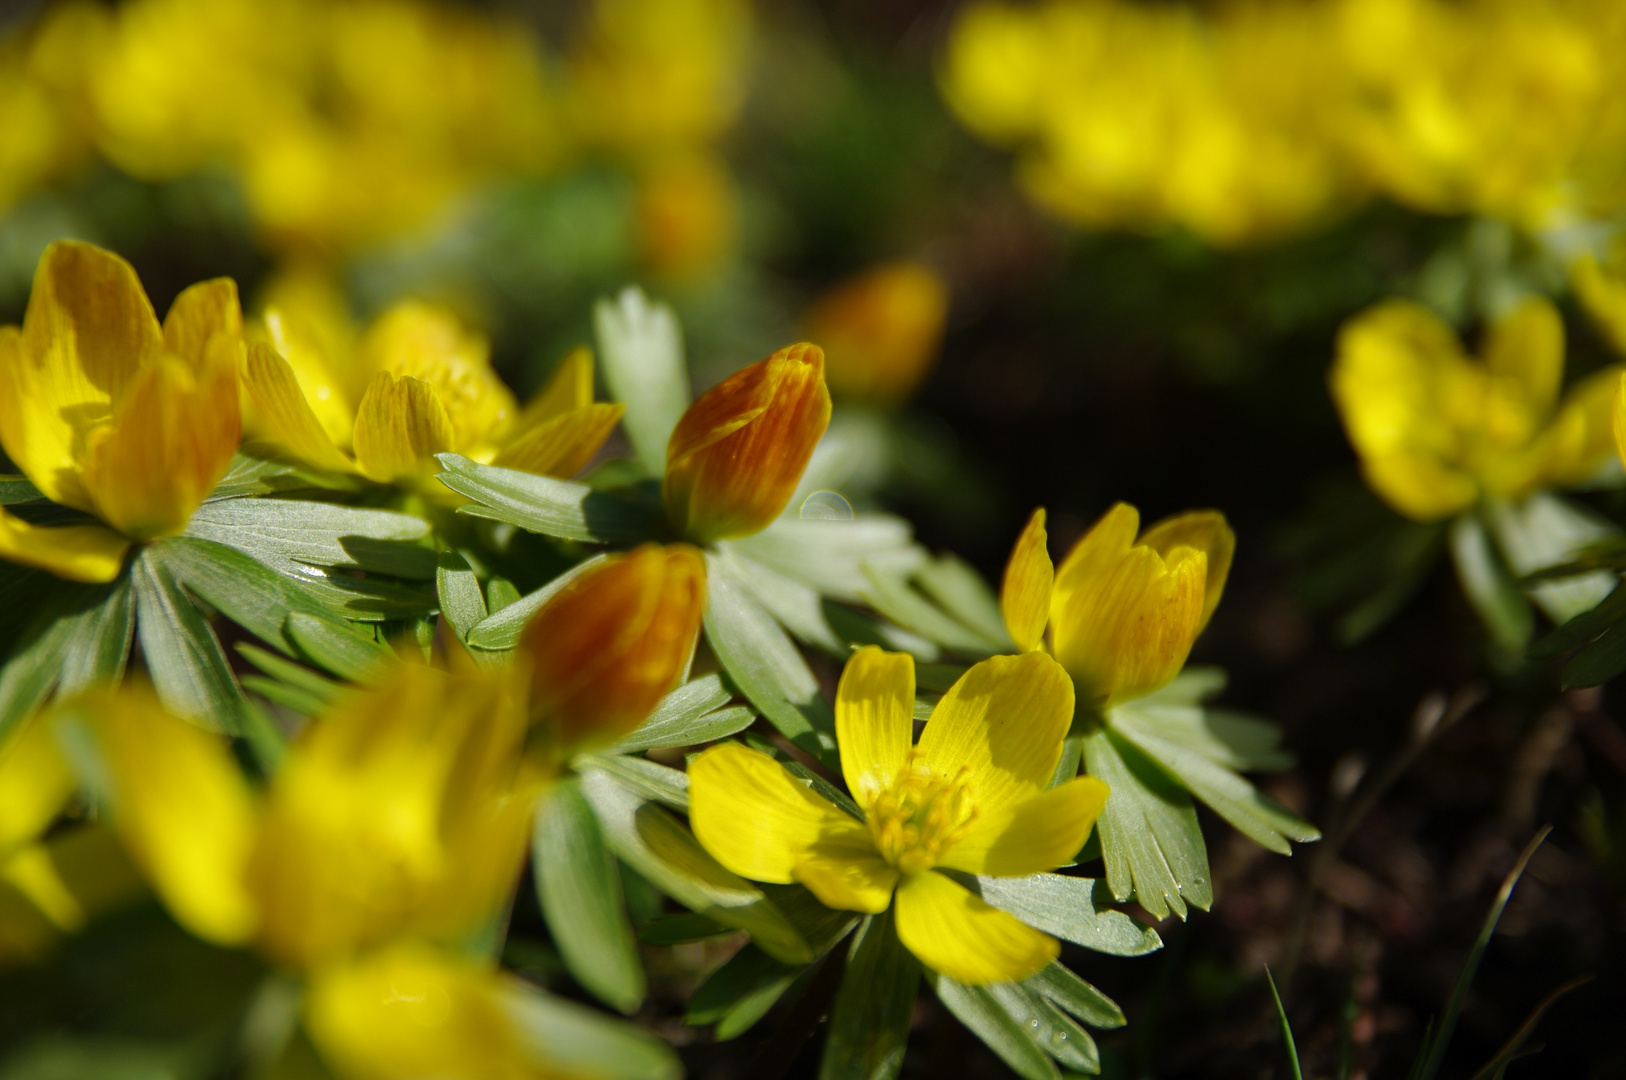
<point x="880" y="331"/>
<point x="612" y="642"/>
<point x="737" y="454"/>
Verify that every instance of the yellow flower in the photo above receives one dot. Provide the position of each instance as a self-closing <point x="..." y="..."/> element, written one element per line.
<point x="1122" y="613"/>
<point x="610" y="644"/>
<point x="401" y="811"/>
<point x="422" y="384"/>
<point x="881" y="330"/>
<point x="738" y="452"/>
<point x="1436" y="432"/>
<point x="108" y="412"/>
<point x="973" y="796"/>
<point x="687" y="210"/>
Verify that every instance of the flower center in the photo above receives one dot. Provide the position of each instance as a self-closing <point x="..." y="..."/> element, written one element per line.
<point x="920" y="817"/>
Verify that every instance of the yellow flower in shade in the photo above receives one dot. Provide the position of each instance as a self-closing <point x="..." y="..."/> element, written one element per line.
<point x="402" y="811"/>
<point x="416" y="384"/>
<point x="612" y="642"/>
<point x="972" y="796"/>
<point x="1122" y="613"/>
<point x="880" y="331"/>
<point x="687" y="210"/>
<point x="1437" y="432"/>
<point x="738" y="452"/>
<point x="109" y="412"/>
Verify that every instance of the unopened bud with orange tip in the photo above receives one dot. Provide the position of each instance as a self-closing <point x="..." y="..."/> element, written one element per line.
<point x="611" y="643"/>
<point x="738" y="452"/>
<point x="881" y="331"/>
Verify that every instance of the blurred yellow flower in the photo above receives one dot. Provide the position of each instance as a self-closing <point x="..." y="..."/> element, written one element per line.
<point x="422" y="384"/>
<point x="1436" y="431"/>
<point x="110" y="413"/>
<point x="972" y="796"/>
<point x="738" y="452"/>
<point x="43" y="110"/>
<point x="611" y="643"/>
<point x="880" y="331"/>
<point x="1122" y="612"/>
<point x="687" y="210"/>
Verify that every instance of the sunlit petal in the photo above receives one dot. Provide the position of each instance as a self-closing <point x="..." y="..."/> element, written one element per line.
<point x="76" y="552"/>
<point x="1024" y="596"/>
<point x="1202" y="530"/>
<point x="400" y="427"/>
<point x="282" y="414"/>
<point x="958" y="934"/>
<point x="875" y="708"/>
<point x="1032" y="835"/>
<point x="562" y="445"/>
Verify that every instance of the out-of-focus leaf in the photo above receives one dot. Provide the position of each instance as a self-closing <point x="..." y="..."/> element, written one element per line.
<point x="660" y="849"/>
<point x="1584" y="627"/>
<point x="1489" y="585"/>
<point x="640" y="351"/>
<point x="18" y="489"/>
<point x="541" y="504"/>
<point x="1545" y="531"/>
<point x="960" y="591"/>
<point x="796" y="605"/>
<point x="1150" y="840"/>
<point x="831" y="555"/>
<point x="694" y="713"/>
<point x="502" y="628"/>
<point x="893" y="596"/>
<point x="251" y="474"/>
<point x="336" y="648"/>
<point x="80" y="635"/>
<point x="579" y="890"/>
<point x="183" y="656"/>
<point x="319" y="687"/>
<point x="573" y="1040"/>
<point x="736" y="995"/>
<point x="869" y="1023"/>
<point x="762" y="661"/>
<point x="649" y="779"/>
<point x="680" y="928"/>
<point x="1066" y="907"/>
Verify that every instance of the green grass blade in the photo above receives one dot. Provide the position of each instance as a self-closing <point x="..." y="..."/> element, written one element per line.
<point x="1287" y="1029"/>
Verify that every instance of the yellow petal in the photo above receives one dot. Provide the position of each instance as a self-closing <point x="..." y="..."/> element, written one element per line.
<point x="843" y="870"/>
<point x="1024" y="596"/>
<point x="31" y="872"/>
<point x="1582" y="433"/>
<point x="1004" y="721"/>
<point x="562" y="445"/>
<point x="307" y="322"/>
<point x="200" y="312"/>
<point x="959" y="935"/>
<point x="1123" y="618"/>
<point x="1604" y="296"/>
<point x="283" y="415"/>
<point x="429" y="343"/>
<point x="1202" y="530"/>
<point x="875" y="720"/>
<point x="35" y="782"/>
<point x="1419" y="485"/>
<point x="411" y="1011"/>
<point x="75" y="552"/>
<point x="182" y="807"/>
<point x="400" y="427"/>
<point x="88" y="329"/>
<point x="1032" y="835"/>
<point x="170" y="442"/>
<point x="738" y="452"/>
<point x="609" y="645"/>
<point x="570" y="388"/>
<point x="754" y="817"/>
<point x="1527" y="348"/>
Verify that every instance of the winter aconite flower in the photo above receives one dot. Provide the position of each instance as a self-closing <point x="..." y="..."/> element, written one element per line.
<point x="108" y="412"/>
<point x="1122" y="612"/>
<point x="612" y="642"/>
<point x="1437" y="431"/>
<point x="972" y="796"/>
<point x="738" y="452"/>
<point x="416" y="384"/>
<point x="880" y="331"/>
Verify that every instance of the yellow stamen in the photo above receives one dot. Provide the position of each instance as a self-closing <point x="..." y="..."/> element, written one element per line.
<point x="917" y="819"/>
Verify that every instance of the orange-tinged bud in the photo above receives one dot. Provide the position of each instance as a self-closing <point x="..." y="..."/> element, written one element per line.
<point x="881" y="331"/>
<point x="613" y="642"/>
<point x="738" y="453"/>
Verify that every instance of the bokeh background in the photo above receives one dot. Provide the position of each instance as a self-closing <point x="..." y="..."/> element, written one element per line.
<point x="1149" y="221"/>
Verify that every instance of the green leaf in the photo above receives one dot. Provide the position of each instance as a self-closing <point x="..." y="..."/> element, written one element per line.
<point x="541" y="504"/>
<point x="336" y="648"/>
<point x="649" y="779"/>
<point x="688" y="716"/>
<point x="247" y="592"/>
<point x="183" y="656"/>
<point x="1048" y="1028"/>
<point x="640" y="352"/>
<point x="1066" y="907"/>
<point x="1287" y="1029"/>
<point x="579" y="888"/>
<point x="1150" y="840"/>
<point x="978" y="1008"/>
<point x="500" y="593"/>
<point x="98" y="644"/>
<point x="1598" y="662"/>
<point x="1513" y="1049"/>
<point x="831" y="555"/>
<point x="960" y="591"/>
<point x="1584" y="627"/>
<point x="1059" y="984"/>
<point x="18" y="489"/>
<point x="893" y="596"/>
<point x="660" y="849"/>
<point x="289" y="535"/>
<point x="795" y="605"/>
<point x="252" y="474"/>
<point x="681" y="928"/>
<point x="1162" y="734"/>
<point x="301" y="678"/>
<point x="1489" y="585"/>
<point x="869" y="1023"/>
<point x="566" y="1039"/>
<point x="502" y="628"/>
<point x="736" y="995"/>
<point x="1544" y="531"/>
<point x="462" y="604"/>
<point x="79" y="635"/>
<point x="761" y="660"/>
